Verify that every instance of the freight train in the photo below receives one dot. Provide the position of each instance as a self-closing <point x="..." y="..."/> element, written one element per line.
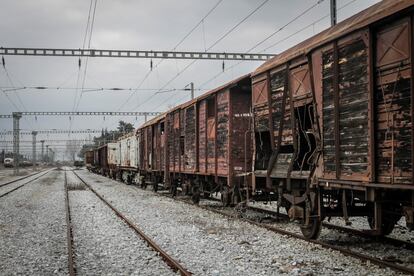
<point x="324" y="128"/>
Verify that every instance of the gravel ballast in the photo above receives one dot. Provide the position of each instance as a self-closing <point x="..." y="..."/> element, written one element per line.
<point x="33" y="229"/>
<point x="105" y="245"/>
<point x="210" y="244"/>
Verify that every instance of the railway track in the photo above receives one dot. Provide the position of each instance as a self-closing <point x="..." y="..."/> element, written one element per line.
<point x="39" y="174"/>
<point x="171" y="262"/>
<point x="345" y="251"/>
<point x="19" y="179"/>
<point x="69" y="233"/>
<point x="364" y="257"/>
<point x="364" y="234"/>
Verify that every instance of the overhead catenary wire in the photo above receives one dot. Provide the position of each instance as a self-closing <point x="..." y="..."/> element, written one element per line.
<point x="87" y="58"/>
<point x="89" y="89"/>
<point x="209" y="48"/>
<point x="154" y="68"/>
<point x="278" y="42"/>
<point x="174" y="48"/>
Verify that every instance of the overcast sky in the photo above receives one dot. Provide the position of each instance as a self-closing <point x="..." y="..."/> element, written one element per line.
<point x="137" y="25"/>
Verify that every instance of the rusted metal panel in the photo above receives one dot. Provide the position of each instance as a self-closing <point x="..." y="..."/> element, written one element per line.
<point x="299" y="82"/>
<point x="202" y="136"/>
<point x="211" y="135"/>
<point x="89" y="158"/>
<point x="189" y="158"/>
<point x="240" y="126"/>
<point x="162" y="145"/>
<point x="112" y="154"/>
<point x="260" y="105"/>
<point x="171" y="141"/>
<point x="356" y="22"/>
<point x="150" y="142"/>
<point x="345" y="105"/>
<point x="394" y="104"/>
<point x="328" y="112"/>
<point x="282" y="124"/>
<point x="223" y="100"/>
<point x="281" y="112"/>
<point x="353" y="108"/>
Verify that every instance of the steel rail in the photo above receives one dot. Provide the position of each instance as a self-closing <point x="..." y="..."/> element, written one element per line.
<point x="22" y="185"/>
<point x="364" y="234"/>
<point x="176" y="266"/>
<point x="69" y="233"/>
<point x="21" y="178"/>
<point x="347" y="252"/>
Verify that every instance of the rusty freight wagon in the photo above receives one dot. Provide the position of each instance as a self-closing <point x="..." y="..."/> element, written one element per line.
<point x="127" y="157"/>
<point x="208" y="148"/>
<point x="112" y="157"/>
<point x="89" y="160"/>
<point x="333" y="132"/>
<point x="101" y="160"/>
<point x="203" y="145"/>
<point x="151" y="141"/>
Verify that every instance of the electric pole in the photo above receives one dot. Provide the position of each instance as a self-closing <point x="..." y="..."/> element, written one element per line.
<point x="42" y="158"/>
<point x="333" y="13"/>
<point x="34" y="133"/>
<point x="16" y="136"/>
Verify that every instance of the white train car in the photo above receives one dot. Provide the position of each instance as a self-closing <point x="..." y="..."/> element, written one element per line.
<point x="127" y="158"/>
<point x="112" y="157"/>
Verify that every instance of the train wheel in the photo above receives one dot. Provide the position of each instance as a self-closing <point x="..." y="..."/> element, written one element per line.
<point x="173" y="189"/>
<point x="387" y="225"/>
<point x="312" y="231"/>
<point x="225" y="196"/>
<point x="195" y="197"/>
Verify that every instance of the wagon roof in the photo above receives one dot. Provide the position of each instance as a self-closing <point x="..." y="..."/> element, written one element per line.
<point x="358" y="21"/>
<point x="188" y="103"/>
<point x="152" y="121"/>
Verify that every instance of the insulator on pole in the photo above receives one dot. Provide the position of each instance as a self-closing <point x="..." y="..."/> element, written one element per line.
<point x="151" y="64"/>
<point x="79" y="63"/>
<point x="223" y="66"/>
<point x="3" y="61"/>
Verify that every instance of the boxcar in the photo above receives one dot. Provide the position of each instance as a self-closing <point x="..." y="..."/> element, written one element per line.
<point x="101" y="160"/>
<point x="127" y="159"/>
<point x="112" y="156"/>
<point x="89" y="160"/>
<point x="333" y="132"/>
<point x="202" y="146"/>
<point x="151" y="158"/>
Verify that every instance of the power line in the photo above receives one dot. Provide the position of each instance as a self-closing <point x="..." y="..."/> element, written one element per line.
<point x="90" y="89"/>
<point x="282" y="40"/>
<point x="173" y="49"/>
<point x="85" y="113"/>
<point x="87" y="58"/>
<point x="214" y="44"/>
<point x="54" y="131"/>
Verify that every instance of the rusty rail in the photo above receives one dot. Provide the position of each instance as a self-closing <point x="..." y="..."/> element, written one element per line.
<point x="176" y="266"/>
<point x="69" y="233"/>
<point x="364" y="234"/>
<point x="20" y="186"/>
<point x="347" y="252"/>
<point x="21" y="178"/>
